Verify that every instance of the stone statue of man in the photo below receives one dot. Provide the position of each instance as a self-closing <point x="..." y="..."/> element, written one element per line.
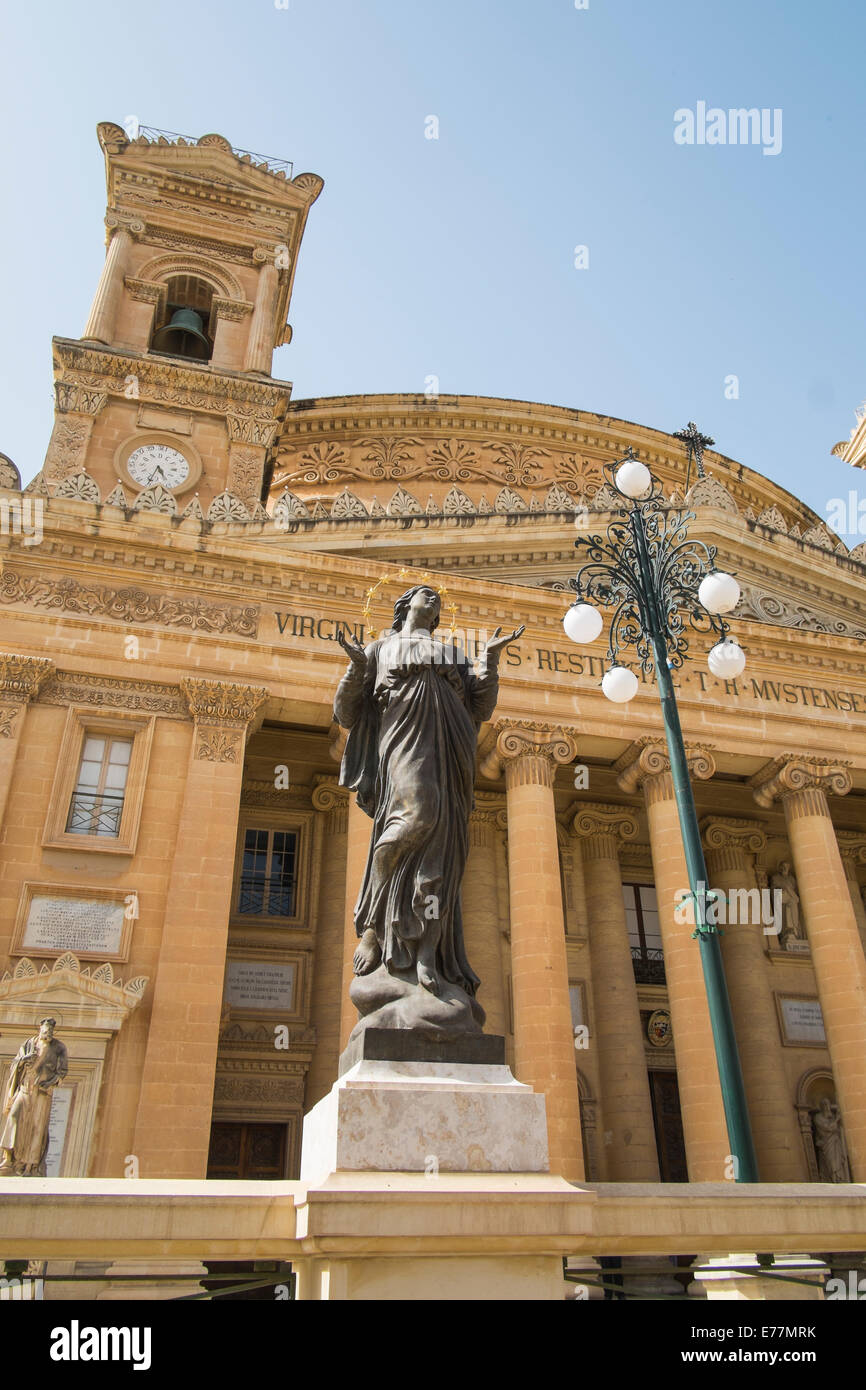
<point x="830" y="1143"/>
<point x="41" y="1064"/>
<point x="784" y="883"/>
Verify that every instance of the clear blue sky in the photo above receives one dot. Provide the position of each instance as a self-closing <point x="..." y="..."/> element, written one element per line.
<point x="455" y="256"/>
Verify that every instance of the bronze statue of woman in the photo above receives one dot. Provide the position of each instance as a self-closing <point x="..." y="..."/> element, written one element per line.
<point x="413" y="706"/>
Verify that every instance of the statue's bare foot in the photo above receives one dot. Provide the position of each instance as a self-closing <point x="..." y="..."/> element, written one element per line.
<point x="368" y="955"/>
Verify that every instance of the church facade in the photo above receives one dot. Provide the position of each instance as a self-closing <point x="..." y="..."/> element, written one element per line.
<point x="179" y="861"/>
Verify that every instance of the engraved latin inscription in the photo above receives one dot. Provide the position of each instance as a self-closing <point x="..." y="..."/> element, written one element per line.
<point x="82" y="925"/>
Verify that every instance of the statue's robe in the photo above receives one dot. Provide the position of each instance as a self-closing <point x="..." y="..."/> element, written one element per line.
<point x="413" y="714"/>
<point x="27" y="1108"/>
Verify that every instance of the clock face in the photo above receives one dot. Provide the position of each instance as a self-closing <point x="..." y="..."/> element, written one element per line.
<point x="157" y="463"/>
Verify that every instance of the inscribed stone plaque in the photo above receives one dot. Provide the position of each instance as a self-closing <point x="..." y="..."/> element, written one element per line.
<point x="260" y="984"/>
<point x="802" y="1021"/>
<point x="85" y="926"/>
<point x="58" y="1122"/>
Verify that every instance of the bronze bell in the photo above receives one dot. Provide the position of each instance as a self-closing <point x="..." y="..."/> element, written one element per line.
<point x="183" y="336"/>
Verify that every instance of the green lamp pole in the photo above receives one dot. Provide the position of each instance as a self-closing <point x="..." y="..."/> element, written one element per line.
<point x="651" y="573"/>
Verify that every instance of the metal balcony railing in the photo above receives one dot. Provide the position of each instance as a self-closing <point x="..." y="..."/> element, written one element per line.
<point x="266" y="896"/>
<point x="648" y="966"/>
<point x="95" y="813"/>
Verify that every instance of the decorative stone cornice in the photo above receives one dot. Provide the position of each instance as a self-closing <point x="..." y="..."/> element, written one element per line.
<point x="193" y="386"/>
<point x="258" y="791"/>
<point x="792" y="773"/>
<point x="222" y="703"/>
<point x="490" y="809"/>
<point x="21" y="677"/>
<point x="145" y="291"/>
<point x="733" y="832"/>
<point x="592" y="818"/>
<point x="87" y="997"/>
<point x="232" y="309"/>
<point x="852" y="847"/>
<point x="525" y="741"/>
<point x="647" y="758"/>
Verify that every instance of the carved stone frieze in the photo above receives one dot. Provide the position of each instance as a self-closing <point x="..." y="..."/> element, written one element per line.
<point x="258" y="791"/>
<point x="770" y="608"/>
<point x="246" y="468"/>
<point x="247" y="429"/>
<point x="9" y="475"/>
<point x="128" y="605"/>
<point x="191" y="387"/>
<point x="67" y="446"/>
<point x="111" y="692"/>
<point x="9" y="720"/>
<point x="82" y="400"/>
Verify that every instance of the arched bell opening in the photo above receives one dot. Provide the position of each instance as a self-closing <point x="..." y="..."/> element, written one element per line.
<point x="183" y="329"/>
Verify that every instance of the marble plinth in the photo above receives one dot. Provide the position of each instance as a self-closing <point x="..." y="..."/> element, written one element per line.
<point x="429" y="1117"/>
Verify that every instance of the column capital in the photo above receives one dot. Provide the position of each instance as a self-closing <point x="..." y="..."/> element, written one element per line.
<point x="647" y="758"/>
<point x="592" y="818"/>
<point x="733" y="832"/>
<point x="797" y="773"/>
<point x="223" y="713"/>
<point x="21" y="677"/>
<point x="223" y="702"/>
<point x="527" y="742"/>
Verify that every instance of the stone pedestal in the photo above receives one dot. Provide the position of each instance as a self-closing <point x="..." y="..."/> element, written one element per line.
<point x="395" y="1111"/>
<point x="425" y="1117"/>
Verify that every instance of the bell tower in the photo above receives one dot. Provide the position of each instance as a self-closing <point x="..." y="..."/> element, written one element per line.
<point x="170" y="388"/>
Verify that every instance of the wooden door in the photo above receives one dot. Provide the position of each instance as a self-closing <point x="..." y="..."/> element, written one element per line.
<point x="668" y="1122"/>
<point x="240" y="1150"/>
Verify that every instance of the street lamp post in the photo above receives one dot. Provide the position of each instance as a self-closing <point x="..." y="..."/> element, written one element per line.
<point x="655" y="578"/>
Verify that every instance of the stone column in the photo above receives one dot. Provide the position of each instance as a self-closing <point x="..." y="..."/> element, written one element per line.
<point x="100" y="326"/>
<point x="332" y="801"/>
<point x="852" y="848"/>
<point x="731" y="845"/>
<point x="20" y="680"/>
<point x="260" y="344"/>
<point x="482" y="931"/>
<point x="172" y="1130"/>
<point x="543" y="1036"/>
<point x="803" y="783"/>
<point x="358" y="831"/>
<point x="645" y="764"/>
<point x="625" y="1096"/>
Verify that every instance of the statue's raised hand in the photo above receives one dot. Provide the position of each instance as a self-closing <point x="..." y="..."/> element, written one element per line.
<point x="496" y="643"/>
<point x="353" y="649"/>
